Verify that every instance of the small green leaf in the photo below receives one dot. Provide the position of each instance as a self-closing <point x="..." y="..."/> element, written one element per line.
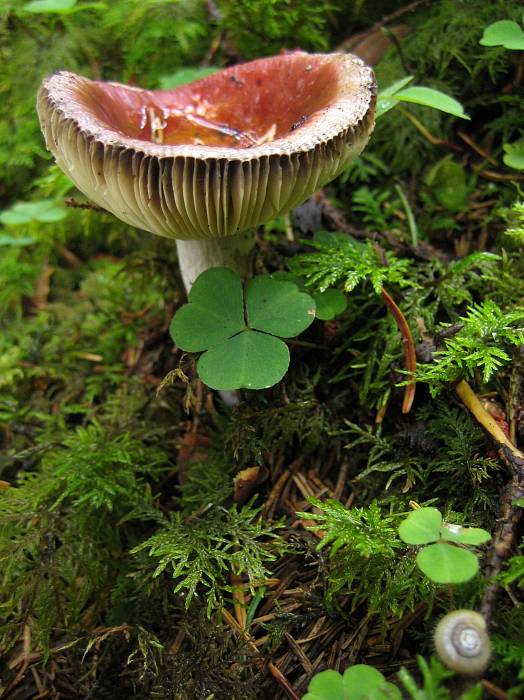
<point x="475" y="693"/>
<point x="464" y="535"/>
<point x="421" y="526"/>
<point x="446" y="563"/>
<point x="359" y="682"/>
<point x="514" y="154"/>
<point x="385" y="98"/>
<point x="278" y="307"/>
<point x="326" y="685"/>
<point x="215" y="311"/>
<point x="183" y="76"/>
<point x="428" y="97"/>
<point x="43" y="210"/>
<point x="12" y="241"/>
<point x="57" y="6"/>
<point x="330" y="303"/>
<point x="363" y="682"/>
<point x="504" y="33"/>
<point x="61" y="7"/>
<point x="249" y="360"/>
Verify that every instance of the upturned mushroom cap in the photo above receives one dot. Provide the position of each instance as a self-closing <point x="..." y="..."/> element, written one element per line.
<point x="215" y="157"/>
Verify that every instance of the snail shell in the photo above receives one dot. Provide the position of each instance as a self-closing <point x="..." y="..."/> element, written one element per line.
<point x="462" y="642"/>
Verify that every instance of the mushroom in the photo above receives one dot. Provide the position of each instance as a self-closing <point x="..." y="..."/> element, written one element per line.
<point x="208" y="162"/>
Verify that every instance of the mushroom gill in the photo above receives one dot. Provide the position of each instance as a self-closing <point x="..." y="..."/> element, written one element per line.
<point x="219" y="156"/>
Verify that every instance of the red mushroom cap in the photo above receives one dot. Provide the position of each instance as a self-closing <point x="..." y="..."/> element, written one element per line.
<point x="215" y="157"/>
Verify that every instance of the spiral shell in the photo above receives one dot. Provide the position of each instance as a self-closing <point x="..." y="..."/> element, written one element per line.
<point x="462" y="642"/>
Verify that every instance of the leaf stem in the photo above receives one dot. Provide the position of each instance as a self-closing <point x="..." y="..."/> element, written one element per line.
<point x="413" y="228"/>
<point x="409" y="350"/>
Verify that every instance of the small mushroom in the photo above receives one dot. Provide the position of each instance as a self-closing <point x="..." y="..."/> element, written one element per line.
<point x="209" y="161"/>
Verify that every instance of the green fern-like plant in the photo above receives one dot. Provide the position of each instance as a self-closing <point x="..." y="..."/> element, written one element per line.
<point x="481" y="345"/>
<point x="340" y="258"/>
<point x="200" y="551"/>
<point x="515" y="221"/>
<point x="364" y="529"/>
<point x="364" y="559"/>
<point x="95" y="471"/>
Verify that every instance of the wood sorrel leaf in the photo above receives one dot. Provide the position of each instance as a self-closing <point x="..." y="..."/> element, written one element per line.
<point x="215" y="311"/>
<point x="238" y="354"/>
<point x="464" y="535"/>
<point x="505" y="33"/>
<point x="446" y="563"/>
<point x="330" y="303"/>
<point x="359" y="682"/>
<point x="324" y="685"/>
<point x="249" y="360"/>
<point x="278" y="307"/>
<point x="421" y="526"/>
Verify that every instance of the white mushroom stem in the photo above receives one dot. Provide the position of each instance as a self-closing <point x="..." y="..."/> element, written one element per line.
<point x="196" y="256"/>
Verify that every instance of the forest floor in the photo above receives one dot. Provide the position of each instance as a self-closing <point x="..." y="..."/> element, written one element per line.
<point x="155" y="543"/>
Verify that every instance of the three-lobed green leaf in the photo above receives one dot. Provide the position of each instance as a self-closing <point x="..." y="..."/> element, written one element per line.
<point x="359" y="682"/>
<point x="237" y="328"/>
<point x="441" y="561"/>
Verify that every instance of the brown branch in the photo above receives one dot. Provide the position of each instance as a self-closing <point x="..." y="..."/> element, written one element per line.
<point x="75" y="204"/>
<point x="475" y="147"/>
<point x="335" y="218"/>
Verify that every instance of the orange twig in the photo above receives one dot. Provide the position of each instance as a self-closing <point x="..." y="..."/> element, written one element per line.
<point x="409" y="351"/>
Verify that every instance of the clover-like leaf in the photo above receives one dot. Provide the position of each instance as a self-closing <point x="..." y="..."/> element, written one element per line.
<point x="237" y="330"/>
<point x="504" y="33"/>
<point x="215" y="311"/>
<point x="514" y="154"/>
<point x="249" y="360"/>
<point x="421" y="526"/>
<point x="330" y="303"/>
<point x="326" y="685"/>
<point x="464" y="535"/>
<point x="278" y="307"/>
<point x="359" y="682"/>
<point x="363" y="682"/>
<point x="446" y="563"/>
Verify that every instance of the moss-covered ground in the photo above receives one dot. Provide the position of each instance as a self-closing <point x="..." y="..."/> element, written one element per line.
<point x="131" y="563"/>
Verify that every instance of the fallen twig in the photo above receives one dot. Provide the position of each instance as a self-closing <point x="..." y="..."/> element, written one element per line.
<point x="409" y="351"/>
<point x="510" y="514"/>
